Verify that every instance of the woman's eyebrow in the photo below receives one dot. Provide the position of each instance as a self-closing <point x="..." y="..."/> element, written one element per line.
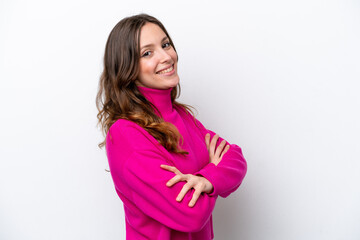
<point x="151" y="44"/>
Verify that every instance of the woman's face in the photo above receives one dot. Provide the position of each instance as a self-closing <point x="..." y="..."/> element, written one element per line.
<point x="158" y="59"/>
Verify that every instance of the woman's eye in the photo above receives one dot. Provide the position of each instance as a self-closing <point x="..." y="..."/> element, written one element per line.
<point x="166" y="45"/>
<point x="145" y="54"/>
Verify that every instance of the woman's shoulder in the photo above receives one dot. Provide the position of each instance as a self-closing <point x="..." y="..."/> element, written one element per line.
<point x="125" y="128"/>
<point x="129" y="133"/>
<point x="184" y="113"/>
<point x="123" y="124"/>
<point x="189" y="116"/>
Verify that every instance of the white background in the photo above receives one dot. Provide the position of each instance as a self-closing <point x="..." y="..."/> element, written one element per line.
<point x="278" y="78"/>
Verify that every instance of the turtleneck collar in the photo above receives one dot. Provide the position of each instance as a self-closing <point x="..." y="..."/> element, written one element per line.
<point x="161" y="98"/>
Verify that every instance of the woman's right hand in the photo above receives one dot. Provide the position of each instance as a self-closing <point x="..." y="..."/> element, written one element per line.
<point x="215" y="153"/>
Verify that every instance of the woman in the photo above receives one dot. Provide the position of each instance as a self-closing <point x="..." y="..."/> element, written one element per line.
<point x="167" y="168"/>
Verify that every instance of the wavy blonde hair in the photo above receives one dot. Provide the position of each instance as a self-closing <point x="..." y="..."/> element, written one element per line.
<point x="118" y="96"/>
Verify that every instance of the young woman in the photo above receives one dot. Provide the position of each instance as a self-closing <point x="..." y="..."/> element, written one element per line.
<point x="167" y="168"/>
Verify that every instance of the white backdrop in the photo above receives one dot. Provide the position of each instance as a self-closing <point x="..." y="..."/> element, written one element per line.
<point x="279" y="78"/>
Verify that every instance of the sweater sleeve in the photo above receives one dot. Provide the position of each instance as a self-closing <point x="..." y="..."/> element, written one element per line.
<point x="134" y="159"/>
<point x="227" y="176"/>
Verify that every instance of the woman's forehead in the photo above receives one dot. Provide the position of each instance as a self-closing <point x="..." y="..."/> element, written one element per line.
<point x="151" y="34"/>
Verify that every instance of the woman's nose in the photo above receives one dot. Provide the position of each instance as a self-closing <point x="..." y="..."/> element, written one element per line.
<point x="164" y="56"/>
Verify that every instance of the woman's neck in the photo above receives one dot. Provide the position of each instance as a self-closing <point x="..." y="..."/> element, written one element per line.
<point x="160" y="98"/>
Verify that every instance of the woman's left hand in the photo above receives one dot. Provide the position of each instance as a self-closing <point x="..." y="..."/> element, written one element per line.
<point x="199" y="183"/>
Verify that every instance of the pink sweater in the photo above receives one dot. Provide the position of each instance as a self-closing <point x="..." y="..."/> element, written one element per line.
<point x="151" y="210"/>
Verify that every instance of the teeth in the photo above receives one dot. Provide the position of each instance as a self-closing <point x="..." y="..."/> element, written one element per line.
<point x="166" y="70"/>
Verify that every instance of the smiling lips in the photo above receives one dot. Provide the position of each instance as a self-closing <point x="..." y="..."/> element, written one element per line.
<point x="166" y="70"/>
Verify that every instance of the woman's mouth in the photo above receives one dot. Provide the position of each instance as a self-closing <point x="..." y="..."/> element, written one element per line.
<point x="166" y="70"/>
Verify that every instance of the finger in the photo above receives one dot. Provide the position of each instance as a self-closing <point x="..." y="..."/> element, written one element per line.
<point x="225" y="150"/>
<point x="207" y="140"/>
<point x="174" y="180"/>
<point x="194" y="198"/>
<point x="170" y="168"/>
<point x="213" y="144"/>
<point x="220" y="148"/>
<point x="183" y="192"/>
